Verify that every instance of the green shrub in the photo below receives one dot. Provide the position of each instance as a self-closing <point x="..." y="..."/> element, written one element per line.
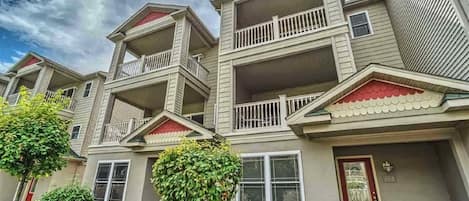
<point x="72" y="192"/>
<point x="197" y="171"/>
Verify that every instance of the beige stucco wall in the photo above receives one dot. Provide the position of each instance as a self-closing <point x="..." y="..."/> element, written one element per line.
<point x="72" y="173"/>
<point x="417" y="171"/>
<point x="8" y="186"/>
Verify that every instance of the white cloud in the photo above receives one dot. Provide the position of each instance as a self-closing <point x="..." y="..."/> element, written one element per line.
<point x="74" y="32"/>
<point x="5" y="66"/>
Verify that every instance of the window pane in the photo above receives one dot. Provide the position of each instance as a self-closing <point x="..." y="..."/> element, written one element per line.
<point x="117" y="192"/>
<point x="252" y="192"/>
<point x="198" y="118"/>
<point x="284" y="168"/>
<point x="358" y="19"/>
<point x="253" y="169"/>
<point x="361" y="30"/>
<point x="357" y="181"/>
<point x="87" y="90"/>
<point x="286" y="192"/>
<point x="99" y="191"/>
<point x="103" y="172"/>
<point x="120" y="172"/>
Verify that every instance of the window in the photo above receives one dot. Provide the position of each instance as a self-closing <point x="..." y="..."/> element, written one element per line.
<point x="271" y="177"/>
<point x="69" y="92"/>
<point x="197" y="117"/>
<point x="87" y="91"/>
<point x="111" y="178"/>
<point x="360" y="24"/>
<point x="75" y="132"/>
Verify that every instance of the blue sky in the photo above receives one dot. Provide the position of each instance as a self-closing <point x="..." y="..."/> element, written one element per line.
<point x="73" y="33"/>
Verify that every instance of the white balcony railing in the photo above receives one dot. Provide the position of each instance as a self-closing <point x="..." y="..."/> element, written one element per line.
<point x="279" y="28"/>
<point x="14" y="98"/>
<point x="269" y="113"/>
<point x="194" y="67"/>
<point x="156" y="62"/>
<point x="144" y="64"/>
<point x="116" y="131"/>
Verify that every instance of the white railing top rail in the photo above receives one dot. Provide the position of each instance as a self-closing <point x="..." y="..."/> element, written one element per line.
<point x="302" y="12"/>
<point x="257" y="103"/>
<point x="197" y="69"/>
<point x="314" y="95"/>
<point x="254" y="26"/>
<point x="144" y="64"/>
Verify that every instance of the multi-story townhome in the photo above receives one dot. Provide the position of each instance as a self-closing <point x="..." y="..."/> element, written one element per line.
<point x="44" y="76"/>
<point x="323" y="99"/>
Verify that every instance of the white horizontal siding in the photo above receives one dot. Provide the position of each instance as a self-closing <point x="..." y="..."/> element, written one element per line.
<point x="431" y="37"/>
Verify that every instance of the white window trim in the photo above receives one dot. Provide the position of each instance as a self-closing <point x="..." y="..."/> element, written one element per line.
<point x="369" y="24"/>
<point x="74" y="90"/>
<point x="268" y="184"/>
<point x="91" y="88"/>
<point x="108" y="186"/>
<point x="79" y="132"/>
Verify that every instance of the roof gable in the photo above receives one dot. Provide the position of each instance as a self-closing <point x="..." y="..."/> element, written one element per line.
<point x="403" y="81"/>
<point x="148" y="13"/>
<point x="153" y="15"/>
<point x="32" y="60"/>
<point x="27" y="60"/>
<point x="166" y="128"/>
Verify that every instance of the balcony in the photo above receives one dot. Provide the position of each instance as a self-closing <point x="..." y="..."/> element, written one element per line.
<point x="114" y="132"/>
<point x="269" y="113"/>
<point x="159" y="61"/>
<point x="13" y="99"/>
<point x="288" y="26"/>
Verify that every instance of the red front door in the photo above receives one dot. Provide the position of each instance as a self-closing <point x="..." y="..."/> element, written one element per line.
<point x="357" y="180"/>
<point x="31" y="189"/>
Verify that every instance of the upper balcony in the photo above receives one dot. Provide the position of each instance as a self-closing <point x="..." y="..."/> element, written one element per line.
<point x="162" y="39"/>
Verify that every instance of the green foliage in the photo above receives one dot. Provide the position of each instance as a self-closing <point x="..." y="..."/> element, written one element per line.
<point x="33" y="138"/>
<point x="72" y="192"/>
<point x="197" y="171"/>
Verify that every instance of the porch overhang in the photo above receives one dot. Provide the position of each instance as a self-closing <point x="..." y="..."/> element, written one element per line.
<point x="165" y="130"/>
<point x="420" y="101"/>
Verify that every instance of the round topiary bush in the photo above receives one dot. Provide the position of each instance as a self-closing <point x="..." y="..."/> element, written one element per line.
<point x="72" y="192"/>
<point x="197" y="171"/>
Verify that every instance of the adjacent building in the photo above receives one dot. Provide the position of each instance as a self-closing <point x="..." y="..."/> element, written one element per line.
<point x="325" y="100"/>
<point x="43" y="76"/>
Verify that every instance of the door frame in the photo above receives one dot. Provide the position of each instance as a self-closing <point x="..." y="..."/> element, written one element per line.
<point x="373" y="171"/>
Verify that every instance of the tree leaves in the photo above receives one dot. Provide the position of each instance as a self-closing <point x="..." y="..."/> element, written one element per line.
<point x="72" y="192"/>
<point x="33" y="138"/>
<point x="197" y="171"/>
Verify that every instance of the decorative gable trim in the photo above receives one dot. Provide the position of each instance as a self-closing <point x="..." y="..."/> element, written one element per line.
<point x="371" y="99"/>
<point x="169" y="126"/>
<point x="377" y="89"/>
<point x="30" y="61"/>
<point x="153" y="15"/>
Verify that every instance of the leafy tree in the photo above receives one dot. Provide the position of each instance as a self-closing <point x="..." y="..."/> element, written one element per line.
<point x="197" y="171"/>
<point x="72" y="192"/>
<point x="33" y="138"/>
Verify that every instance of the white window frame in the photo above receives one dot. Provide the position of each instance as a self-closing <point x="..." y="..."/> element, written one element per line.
<point x="370" y="27"/>
<point x="79" y="132"/>
<point x="84" y="88"/>
<point x="109" y="184"/>
<point x="267" y="172"/>
<point x="74" y="90"/>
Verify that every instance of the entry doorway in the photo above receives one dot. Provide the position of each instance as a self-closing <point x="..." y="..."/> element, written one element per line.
<point x="31" y="189"/>
<point x="357" y="179"/>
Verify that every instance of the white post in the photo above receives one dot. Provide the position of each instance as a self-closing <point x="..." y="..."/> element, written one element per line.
<point x="283" y="110"/>
<point x="131" y="126"/>
<point x="276" y="27"/>
<point x="142" y="64"/>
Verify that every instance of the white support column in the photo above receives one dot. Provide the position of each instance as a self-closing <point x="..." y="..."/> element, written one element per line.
<point x="12" y="84"/>
<point x="181" y="41"/>
<point x="343" y="56"/>
<point x="104" y="116"/>
<point x="131" y="126"/>
<point x="175" y="93"/>
<point x="276" y="27"/>
<point x="337" y="16"/>
<point x="43" y="80"/>
<point x="117" y="59"/>
<point x="142" y="64"/>
<point x="462" y="159"/>
<point x="283" y="110"/>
